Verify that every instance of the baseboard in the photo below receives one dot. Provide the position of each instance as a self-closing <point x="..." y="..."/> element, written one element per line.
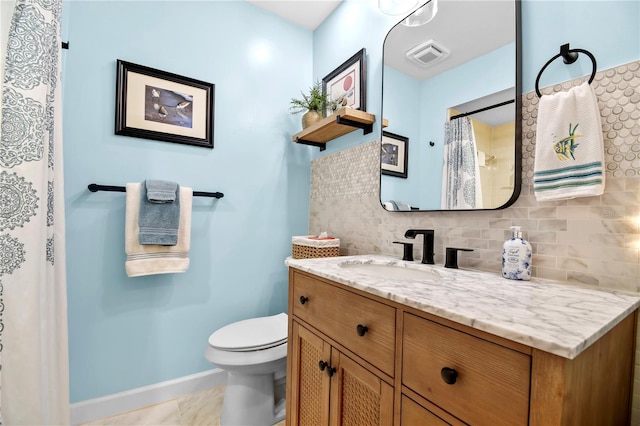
<point x="93" y="409"/>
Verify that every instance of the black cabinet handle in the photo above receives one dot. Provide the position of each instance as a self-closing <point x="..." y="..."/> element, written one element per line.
<point x="449" y="375"/>
<point x="330" y="371"/>
<point x="325" y="365"/>
<point x="303" y="300"/>
<point x="361" y="329"/>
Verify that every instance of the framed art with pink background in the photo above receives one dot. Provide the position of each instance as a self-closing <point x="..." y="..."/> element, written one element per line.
<point x="346" y="85"/>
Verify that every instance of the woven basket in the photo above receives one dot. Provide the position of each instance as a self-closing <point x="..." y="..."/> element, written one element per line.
<point x="305" y="248"/>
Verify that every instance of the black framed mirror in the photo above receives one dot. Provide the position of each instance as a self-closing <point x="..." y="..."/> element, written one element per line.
<point x="452" y="89"/>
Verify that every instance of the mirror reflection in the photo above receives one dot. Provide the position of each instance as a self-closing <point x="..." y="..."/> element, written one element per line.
<point x="451" y="88"/>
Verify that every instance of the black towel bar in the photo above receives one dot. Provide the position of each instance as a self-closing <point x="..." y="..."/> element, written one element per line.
<point x="95" y="188"/>
<point x="569" y="56"/>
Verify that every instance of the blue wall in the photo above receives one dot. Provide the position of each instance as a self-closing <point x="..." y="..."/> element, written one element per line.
<point x="130" y="332"/>
<point x="404" y="117"/>
<point x="609" y="29"/>
<point x="353" y="25"/>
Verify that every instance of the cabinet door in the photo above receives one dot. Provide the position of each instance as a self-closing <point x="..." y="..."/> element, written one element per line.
<point x="358" y="397"/>
<point x="309" y="399"/>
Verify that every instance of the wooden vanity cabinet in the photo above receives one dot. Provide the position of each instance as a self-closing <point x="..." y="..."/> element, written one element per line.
<point x="398" y="370"/>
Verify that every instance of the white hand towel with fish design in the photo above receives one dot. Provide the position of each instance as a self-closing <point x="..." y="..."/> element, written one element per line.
<point x="569" y="161"/>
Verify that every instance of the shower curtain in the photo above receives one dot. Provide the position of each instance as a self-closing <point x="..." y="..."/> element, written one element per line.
<point x="34" y="379"/>
<point x="460" y="172"/>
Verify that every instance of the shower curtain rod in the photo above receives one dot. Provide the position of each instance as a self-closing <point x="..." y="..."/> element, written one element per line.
<point x="95" y="188"/>
<point x="464" y="114"/>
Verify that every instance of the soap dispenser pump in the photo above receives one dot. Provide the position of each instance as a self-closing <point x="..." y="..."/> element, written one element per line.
<point x="516" y="257"/>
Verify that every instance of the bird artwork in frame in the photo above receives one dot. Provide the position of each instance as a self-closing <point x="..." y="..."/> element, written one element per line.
<point x="154" y="104"/>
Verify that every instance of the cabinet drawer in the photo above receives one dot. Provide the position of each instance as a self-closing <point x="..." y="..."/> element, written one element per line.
<point x="414" y="414"/>
<point x="338" y="313"/>
<point x="492" y="383"/>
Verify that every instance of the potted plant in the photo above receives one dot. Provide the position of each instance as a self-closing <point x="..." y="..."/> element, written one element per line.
<point x="315" y="104"/>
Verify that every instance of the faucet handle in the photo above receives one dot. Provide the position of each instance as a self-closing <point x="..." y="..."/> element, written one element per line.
<point x="411" y="233"/>
<point x="408" y="250"/>
<point x="451" y="259"/>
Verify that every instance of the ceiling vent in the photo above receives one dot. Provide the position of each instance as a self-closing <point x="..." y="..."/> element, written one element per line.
<point x="427" y="53"/>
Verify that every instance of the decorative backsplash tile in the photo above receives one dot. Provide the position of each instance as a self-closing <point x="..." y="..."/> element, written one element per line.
<point x="592" y="240"/>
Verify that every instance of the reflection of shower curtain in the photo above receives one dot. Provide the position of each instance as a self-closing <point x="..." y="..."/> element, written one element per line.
<point x="460" y="173"/>
<point x="34" y="382"/>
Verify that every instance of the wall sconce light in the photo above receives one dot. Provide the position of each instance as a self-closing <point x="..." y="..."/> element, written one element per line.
<point x="422" y="15"/>
<point x="396" y="7"/>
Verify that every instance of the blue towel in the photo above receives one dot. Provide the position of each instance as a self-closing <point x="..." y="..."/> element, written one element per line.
<point x="158" y="222"/>
<point x="161" y="191"/>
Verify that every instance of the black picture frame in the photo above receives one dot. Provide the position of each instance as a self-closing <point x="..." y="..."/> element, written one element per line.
<point x="159" y="105"/>
<point x="353" y="74"/>
<point x="394" y="155"/>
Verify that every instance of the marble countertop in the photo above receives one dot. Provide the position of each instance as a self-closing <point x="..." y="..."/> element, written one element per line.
<point x="560" y="318"/>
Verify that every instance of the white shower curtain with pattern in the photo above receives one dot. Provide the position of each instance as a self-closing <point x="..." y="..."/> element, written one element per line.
<point x="34" y="379"/>
<point x="461" y="187"/>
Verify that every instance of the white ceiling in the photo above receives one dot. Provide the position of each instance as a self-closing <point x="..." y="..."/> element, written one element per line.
<point x="306" y="13"/>
<point x="469" y="29"/>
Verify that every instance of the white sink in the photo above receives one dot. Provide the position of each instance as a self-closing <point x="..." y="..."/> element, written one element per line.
<point x="398" y="271"/>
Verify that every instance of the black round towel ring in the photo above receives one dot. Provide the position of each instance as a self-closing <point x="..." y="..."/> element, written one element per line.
<point x="569" y="56"/>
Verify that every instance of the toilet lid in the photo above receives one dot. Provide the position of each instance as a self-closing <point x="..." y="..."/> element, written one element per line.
<point x="251" y="334"/>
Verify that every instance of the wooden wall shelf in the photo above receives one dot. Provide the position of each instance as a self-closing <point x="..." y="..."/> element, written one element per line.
<point x="337" y="124"/>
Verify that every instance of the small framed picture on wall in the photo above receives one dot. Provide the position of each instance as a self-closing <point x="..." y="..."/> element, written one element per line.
<point x="394" y="155"/>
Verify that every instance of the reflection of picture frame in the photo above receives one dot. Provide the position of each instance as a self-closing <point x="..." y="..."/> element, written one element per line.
<point x="346" y="85"/>
<point x="154" y="104"/>
<point x="394" y="155"/>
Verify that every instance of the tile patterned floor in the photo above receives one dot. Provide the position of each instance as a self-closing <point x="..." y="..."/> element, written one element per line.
<point x="197" y="409"/>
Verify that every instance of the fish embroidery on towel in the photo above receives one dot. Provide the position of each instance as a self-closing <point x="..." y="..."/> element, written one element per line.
<point x="567" y="146"/>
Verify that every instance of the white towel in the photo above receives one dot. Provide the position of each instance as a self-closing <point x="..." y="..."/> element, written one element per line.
<point x="569" y="159"/>
<point x="156" y="259"/>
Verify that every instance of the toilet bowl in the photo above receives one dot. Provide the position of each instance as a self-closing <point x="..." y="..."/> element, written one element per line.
<point x="254" y="354"/>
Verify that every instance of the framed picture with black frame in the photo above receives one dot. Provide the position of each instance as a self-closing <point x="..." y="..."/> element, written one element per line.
<point x="346" y="85"/>
<point x="155" y="104"/>
<point x="394" y="155"/>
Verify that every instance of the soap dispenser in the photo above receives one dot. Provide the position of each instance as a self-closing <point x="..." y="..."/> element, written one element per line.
<point x="516" y="257"/>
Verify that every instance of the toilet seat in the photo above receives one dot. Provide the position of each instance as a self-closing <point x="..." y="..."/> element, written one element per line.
<point x="253" y="334"/>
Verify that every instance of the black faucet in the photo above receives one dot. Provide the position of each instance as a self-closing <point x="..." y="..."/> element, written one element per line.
<point x="428" y="242"/>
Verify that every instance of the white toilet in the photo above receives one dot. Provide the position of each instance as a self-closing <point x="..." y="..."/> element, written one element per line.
<point x="254" y="353"/>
